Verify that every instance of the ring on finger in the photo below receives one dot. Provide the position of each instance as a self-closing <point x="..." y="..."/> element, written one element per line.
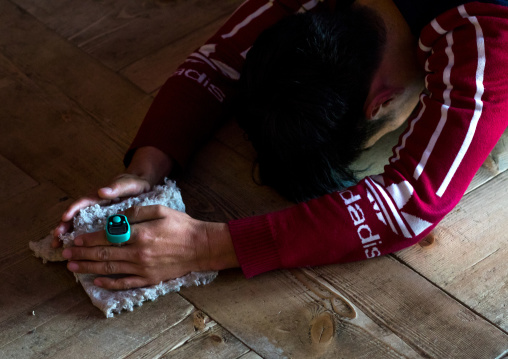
<point x="118" y="230"/>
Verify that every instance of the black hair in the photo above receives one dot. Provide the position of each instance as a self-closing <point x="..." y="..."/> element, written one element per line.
<point x="301" y="99"/>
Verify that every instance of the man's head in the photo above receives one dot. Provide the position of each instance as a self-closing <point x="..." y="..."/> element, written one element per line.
<point x="307" y="101"/>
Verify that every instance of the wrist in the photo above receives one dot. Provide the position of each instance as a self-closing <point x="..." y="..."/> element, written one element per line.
<point x="221" y="252"/>
<point x="151" y="164"/>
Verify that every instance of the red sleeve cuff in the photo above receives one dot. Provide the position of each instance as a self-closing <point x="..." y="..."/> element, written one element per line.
<point x="254" y="244"/>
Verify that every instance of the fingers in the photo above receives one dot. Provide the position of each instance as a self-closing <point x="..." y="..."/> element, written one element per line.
<point x="62" y="228"/>
<point x="55" y="243"/>
<point x="81" y="203"/>
<point x="92" y="239"/>
<point x="100" y="254"/>
<point x="122" y="283"/>
<point x="99" y="238"/>
<point x="125" y="185"/>
<point x="104" y="268"/>
<point x="138" y="214"/>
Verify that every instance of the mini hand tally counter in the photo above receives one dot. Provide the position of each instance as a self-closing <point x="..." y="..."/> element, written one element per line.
<point x="118" y="230"/>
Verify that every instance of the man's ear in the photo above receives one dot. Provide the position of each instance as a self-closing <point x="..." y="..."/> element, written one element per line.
<point x="378" y="106"/>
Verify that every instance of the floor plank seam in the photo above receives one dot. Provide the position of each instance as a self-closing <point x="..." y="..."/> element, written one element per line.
<point x="97" y="121"/>
<point x="239" y="153"/>
<point x="124" y="143"/>
<point x="222" y="325"/>
<point x="503" y="355"/>
<point x="223" y="16"/>
<point x="23" y="191"/>
<point x="162" y="332"/>
<point x="448" y="294"/>
<point x="43" y="323"/>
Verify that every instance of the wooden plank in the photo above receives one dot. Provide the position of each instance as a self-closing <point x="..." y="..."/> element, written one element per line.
<point x="279" y="318"/>
<point x="468" y="259"/>
<point x="56" y="66"/>
<point x="439" y="324"/>
<point x="232" y="136"/>
<point x="29" y="216"/>
<point x="197" y="336"/>
<point x="25" y="321"/>
<point x="26" y="217"/>
<point x="82" y="330"/>
<point x="14" y="180"/>
<point x="71" y="140"/>
<point x="250" y="355"/>
<point x="121" y="32"/>
<point x="150" y="72"/>
<point x="375" y="309"/>
<point x="29" y="283"/>
<point x="216" y="342"/>
<point x="219" y="187"/>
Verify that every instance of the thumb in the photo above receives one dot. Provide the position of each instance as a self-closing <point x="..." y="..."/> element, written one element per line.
<point x="107" y="192"/>
<point x="124" y="187"/>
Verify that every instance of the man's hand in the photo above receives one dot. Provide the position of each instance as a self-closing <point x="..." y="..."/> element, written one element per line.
<point x="124" y="185"/>
<point x="148" y="166"/>
<point x="164" y="244"/>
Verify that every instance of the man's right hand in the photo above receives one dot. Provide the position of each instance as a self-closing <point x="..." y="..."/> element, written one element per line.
<point x="124" y="185"/>
<point x="148" y="167"/>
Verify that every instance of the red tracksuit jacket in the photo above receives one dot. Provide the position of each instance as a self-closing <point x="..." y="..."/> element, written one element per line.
<point x="459" y="119"/>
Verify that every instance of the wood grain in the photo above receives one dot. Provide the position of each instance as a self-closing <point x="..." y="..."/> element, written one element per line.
<point x="469" y="257"/>
<point x="74" y="85"/>
<point x="118" y="33"/>
<point x="398" y="314"/>
<point x="250" y="355"/>
<point x="82" y="328"/>
<point x="215" y="342"/>
<point x="71" y="137"/>
<point x="219" y="186"/>
<point x="149" y="73"/>
<point x="14" y="180"/>
<point x="56" y="67"/>
<point x="28" y="216"/>
<point x="196" y="336"/>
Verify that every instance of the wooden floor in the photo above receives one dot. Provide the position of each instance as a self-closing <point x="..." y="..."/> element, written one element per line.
<point x="76" y="78"/>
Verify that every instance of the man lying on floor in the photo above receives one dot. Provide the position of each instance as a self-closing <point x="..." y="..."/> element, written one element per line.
<point x="315" y="90"/>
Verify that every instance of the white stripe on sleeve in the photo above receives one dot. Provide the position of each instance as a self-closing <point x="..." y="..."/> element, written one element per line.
<point x="248" y="19"/>
<point x="480" y="69"/>
<point x="444" y="108"/>
<point x="437" y="27"/>
<point x="423" y="47"/>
